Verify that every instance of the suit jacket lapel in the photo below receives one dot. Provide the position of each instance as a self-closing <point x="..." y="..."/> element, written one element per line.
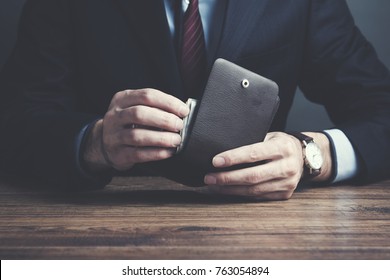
<point x="238" y="25"/>
<point x="217" y="28"/>
<point x="154" y="32"/>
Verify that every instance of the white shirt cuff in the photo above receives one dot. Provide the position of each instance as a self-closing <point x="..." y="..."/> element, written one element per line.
<point x="346" y="162"/>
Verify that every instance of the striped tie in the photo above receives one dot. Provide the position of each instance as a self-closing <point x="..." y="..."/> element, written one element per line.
<point x="193" y="52"/>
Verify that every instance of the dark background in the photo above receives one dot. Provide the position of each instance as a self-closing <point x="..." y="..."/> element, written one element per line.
<point x="371" y="16"/>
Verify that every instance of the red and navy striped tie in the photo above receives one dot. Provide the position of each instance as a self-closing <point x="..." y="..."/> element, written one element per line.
<point x="193" y="51"/>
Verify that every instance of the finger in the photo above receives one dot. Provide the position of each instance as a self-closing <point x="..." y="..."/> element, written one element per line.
<point x="152" y="98"/>
<point x="126" y="157"/>
<point x="277" y="189"/>
<point x="248" y="154"/>
<point x="272" y="170"/>
<point x="147" y="154"/>
<point x="282" y="195"/>
<point x="149" y="117"/>
<point x="139" y="137"/>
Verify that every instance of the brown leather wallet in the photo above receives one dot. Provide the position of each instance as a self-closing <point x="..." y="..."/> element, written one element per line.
<point x="236" y="109"/>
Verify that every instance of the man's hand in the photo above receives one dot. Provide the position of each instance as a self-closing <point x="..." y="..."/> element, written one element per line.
<point x="276" y="177"/>
<point x="139" y="126"/>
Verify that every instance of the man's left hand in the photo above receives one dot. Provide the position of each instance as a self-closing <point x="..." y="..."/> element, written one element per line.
<point x="279" y="170"/>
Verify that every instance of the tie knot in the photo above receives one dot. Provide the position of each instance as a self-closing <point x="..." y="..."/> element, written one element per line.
<point x="192" y="6"/>
<point x="192" y="2"/>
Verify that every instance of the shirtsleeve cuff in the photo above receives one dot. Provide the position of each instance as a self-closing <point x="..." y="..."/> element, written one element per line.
<point x="345" y="161"/>
<point x="103" y="177"/>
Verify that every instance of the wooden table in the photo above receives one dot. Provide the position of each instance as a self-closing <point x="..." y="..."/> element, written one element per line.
<point x="153" y="218"/>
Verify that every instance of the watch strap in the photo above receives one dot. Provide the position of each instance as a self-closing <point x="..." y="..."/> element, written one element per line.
<point x="302" y="137"/>
<point x="308" y="172"/>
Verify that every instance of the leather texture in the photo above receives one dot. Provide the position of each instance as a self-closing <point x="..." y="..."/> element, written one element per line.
<point x="230" y="115"/>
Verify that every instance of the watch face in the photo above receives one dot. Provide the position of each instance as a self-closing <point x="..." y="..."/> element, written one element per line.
<point x="314" y="156"/>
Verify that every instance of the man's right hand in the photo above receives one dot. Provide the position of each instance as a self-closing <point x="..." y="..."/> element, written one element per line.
<point x="139" y="126"/>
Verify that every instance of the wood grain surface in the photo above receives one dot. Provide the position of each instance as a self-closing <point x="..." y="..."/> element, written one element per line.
<point x="154" y="218"/>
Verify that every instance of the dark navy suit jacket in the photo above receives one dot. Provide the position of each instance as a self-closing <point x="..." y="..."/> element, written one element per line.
<point x="72" y="56"/>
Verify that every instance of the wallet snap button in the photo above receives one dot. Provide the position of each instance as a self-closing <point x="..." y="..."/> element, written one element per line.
<point x="245" y="83"/>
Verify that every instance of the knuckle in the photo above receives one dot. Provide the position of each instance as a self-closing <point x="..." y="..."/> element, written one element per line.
<point x="289" y="169"/>
<point x="253" y="177"/>
<point x="158" y="154"/>
<point x="253" y="154"/>
<point x="166" y="120"/>
<point x="137" y="114"/>
<point x="122" y="138"/>
<point x="223" y="179"/>
<point x="162" y="140"/>
<point x="110" y="115"/>
<point x="170" y="102"/>
<point x="145" y="95"/>
<point x="127" y="92"/>
<point x="289" y="172"/>
<point x="134" y="114"/>
<point x="124" y="93"/>
<point x="161" y="154"/>
<point x="136" y="156"/>
<point x="117" y="96"/>
<point x="289" y="148"/>
<point x="291" y="184"/>
<point x="133" y="136"/>
<point x="120" y="95"/>
<point x="253" y="191"/>
<point x="118" y="112"/>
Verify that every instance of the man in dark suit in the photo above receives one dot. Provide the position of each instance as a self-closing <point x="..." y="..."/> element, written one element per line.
<point x="95" y="86"/>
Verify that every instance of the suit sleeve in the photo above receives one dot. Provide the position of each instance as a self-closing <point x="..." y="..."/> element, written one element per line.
<point x="41" y="116"/>
<point x="343" y="72"/>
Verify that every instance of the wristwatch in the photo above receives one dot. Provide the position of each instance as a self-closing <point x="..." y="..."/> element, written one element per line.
<point x="312" y="155"/>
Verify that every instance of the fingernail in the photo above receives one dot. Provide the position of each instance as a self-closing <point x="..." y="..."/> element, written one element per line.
<point x="179" y="125"/>
<point x="210" y="180"/>
<point x="184" y="111"/>
<point x="219" y="161"/>
<point x="176" y="141"/>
